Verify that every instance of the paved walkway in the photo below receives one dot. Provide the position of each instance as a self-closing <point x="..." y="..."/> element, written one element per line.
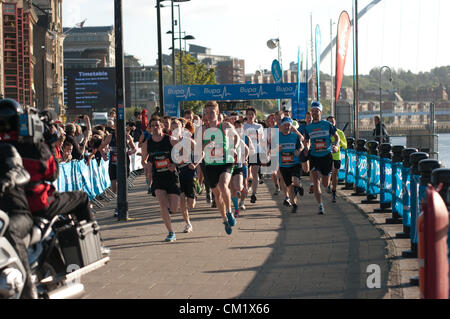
<point x="271" y="253"/>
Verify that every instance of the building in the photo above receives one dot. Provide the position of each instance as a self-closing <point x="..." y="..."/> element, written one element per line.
<point x="144" y="86"/>
<point x="89" y="47"/>
<point x="230" y="72"/>
<point x="16" y="51"/>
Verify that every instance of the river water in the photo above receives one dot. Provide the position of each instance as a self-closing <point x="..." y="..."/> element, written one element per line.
<point x="444" y="147"/>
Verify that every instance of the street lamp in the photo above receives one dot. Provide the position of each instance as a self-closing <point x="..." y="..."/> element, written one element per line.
<point x="160" y="66"/>
<point x="381" y="114"/>
<point x="272" y="44"/>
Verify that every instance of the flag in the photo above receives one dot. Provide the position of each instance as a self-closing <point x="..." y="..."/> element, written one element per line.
<point x="343" y="36"/>
<point x="318" y="51"/>
<point x="299" y="73"/>
<point x="81" y="24"/>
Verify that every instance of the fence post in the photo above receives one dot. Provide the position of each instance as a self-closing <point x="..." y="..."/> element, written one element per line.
<point x="372" y="179"/>
<point x="425" y="167"/>
<point x="406" y="193"/>
<point x="414" y="159"/>
<point x="361" y="170"/>
<point x="385" y="178"/>
<point x="350" y="146"/>
<point x="397" y="205"/>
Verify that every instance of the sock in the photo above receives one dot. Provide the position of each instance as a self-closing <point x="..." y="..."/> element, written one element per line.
<point x="235" y="201"/>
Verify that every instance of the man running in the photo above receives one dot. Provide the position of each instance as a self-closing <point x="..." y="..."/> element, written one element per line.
<point x="237" y="178"/>
<point x="319" y="133"/>
<point x="219" y="160"/>
<point x="255" y="132"/>
<point x="336" y="157"/>
<point x="289" y="151"/>
<point x="303" y="157"/>
<point x="166" y="184"/>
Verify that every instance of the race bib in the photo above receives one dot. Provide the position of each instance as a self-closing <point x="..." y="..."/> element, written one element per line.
<point x="159" y="164"/>
<point x="287" y="158"/>
<point x="320" y="145"/>
<point x="113" y="158"/>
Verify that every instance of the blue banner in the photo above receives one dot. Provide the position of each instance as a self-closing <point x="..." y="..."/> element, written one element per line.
<point x="341" y="173"/>
<point x="361" y="171"/>
<point x="277" y="73"/>
<point x="397" y="200"/>
<point x="318" y="53"/>
<point x="351" y="169"/>
<point x="373" y="184"/>
<point x="414" y="206"/>
<point x="235" y="92"/>
<point x="299" y="74"/>
<point x="406" y="196"/>
<point x="386" y="181"/>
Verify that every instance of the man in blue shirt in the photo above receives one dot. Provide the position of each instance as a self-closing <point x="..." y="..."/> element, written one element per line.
<point x="289" y="150"/>
<point x="319" y="133"/>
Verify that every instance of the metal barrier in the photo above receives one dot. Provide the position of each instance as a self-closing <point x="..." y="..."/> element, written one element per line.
<point x="361" y="168"/>
<point x="385" y="178"/>
<point x="350" y="163"/>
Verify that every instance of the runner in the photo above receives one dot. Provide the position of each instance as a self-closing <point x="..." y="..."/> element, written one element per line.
<point x="255" y="133"/>
<point x="237" y="179"/>
<point x="319" y="132"/>
<point x="186" y="168"/>
<point x="270" y="122"/>
<point x="336" y="158"/>
<point x="166" y="183"/>
<point x="289" y="151"/>
<point x="219" y="160"/>
<point x="303" y="157"/>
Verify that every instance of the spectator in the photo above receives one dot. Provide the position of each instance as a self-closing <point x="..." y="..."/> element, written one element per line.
<point x="380" y="128"/>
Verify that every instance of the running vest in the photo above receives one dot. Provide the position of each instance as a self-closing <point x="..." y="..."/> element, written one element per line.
<point x="342" y="145"/>
<point x="220" y="153"/>
<point x="320" y="135"/>
<point x="113" y="150"/>
<point x="160" y="154"/>
<point x="289" y="143"/>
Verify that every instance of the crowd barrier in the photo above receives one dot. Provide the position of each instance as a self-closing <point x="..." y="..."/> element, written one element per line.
<point x="404" y="180"/>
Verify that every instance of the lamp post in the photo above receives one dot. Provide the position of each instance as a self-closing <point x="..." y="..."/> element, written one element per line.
<point x="331" y="70"/>
<point x="160" y="62"/>
<point x="272" y="44"/>
<point x="381" y="114"/>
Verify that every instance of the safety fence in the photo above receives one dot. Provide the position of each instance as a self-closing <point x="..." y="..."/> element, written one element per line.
<point x="93" y="178"/>
<point x="416" y="190"/>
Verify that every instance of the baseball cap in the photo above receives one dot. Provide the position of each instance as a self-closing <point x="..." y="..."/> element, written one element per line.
<point x="316" y="105"/>
<point x="286" y="120"/>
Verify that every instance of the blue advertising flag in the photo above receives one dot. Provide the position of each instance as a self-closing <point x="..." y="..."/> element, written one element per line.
<point x="276" y="71"/>
<point x="318" y="50"/>
<point x="298" y="74"/>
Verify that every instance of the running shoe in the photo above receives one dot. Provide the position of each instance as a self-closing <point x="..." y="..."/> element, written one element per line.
<point x="333" y="197"/>
<point x="149" y="190"/>
<point x="213" y="205"/>
<point x="171" y="237"/>
<point x="188" y="228"/>
<point x="311" y="189"/>
<point x="253" y="199"/>
<point x="116" y="212"/>
<point x="231" y="219"/>
<point x="228" y="228"/>
<point x="241" y="205"/>
<point x="321" y="210"/>
<point x="287" y="202"/>
<point x="261" y="181"/>
<point x="208" y="198"/>
<point x="277" y="191"/>
<point x="294" y="208"/>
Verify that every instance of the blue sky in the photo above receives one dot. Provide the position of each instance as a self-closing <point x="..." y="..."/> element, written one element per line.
<point x="407" y="34"/>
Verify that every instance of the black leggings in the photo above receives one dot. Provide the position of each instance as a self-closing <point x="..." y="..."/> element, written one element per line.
<point x="205" y="178"/>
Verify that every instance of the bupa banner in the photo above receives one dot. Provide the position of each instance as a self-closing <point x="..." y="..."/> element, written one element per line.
<point x="318" y="51"/>
<point x="386" y="180"/>
<point x="343" y="35"/>
<point x="397" y="200"/>
<point x="406" y="196"/>
<point x="277" y="73"/>
<point x="234" y="92"/>
<point x="361" y="170"/>
<point x="341" y="173"/>
<point x="373" y="184"/>
<point x="351" y="169"/>
<point x="299" y="73"/>
<point x="414" y="206"/>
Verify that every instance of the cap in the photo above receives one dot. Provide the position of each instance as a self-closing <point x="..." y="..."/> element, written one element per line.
<point x="316" y="105"/>
<point x="286" y="120"/>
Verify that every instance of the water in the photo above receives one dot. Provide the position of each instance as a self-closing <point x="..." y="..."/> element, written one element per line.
<point x="444" y="147"/>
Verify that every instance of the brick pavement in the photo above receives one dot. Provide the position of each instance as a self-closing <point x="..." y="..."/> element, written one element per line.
<point x="271" y="253"/>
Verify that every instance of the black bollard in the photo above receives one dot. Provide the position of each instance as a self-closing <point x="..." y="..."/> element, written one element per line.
<point x="360" y="147"/>
<point x="372" y="149"/>
<point x="396" y="160"/>
<point x="406" y="153"/>
<point x="414" y="159"/>
<point x="350" y="146"/>
<point x="385" y="152"/>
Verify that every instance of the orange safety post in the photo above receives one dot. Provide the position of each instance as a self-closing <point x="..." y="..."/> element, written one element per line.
<point x="433" y="259"/>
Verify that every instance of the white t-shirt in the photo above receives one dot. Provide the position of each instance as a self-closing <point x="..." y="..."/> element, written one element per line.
<point x="255" y="133"/>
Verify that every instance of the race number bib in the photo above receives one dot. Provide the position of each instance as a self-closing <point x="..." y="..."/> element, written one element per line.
<point x="164" y="163"/>
<point x="287" y="158"/>
<point x="320" y="145"/>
